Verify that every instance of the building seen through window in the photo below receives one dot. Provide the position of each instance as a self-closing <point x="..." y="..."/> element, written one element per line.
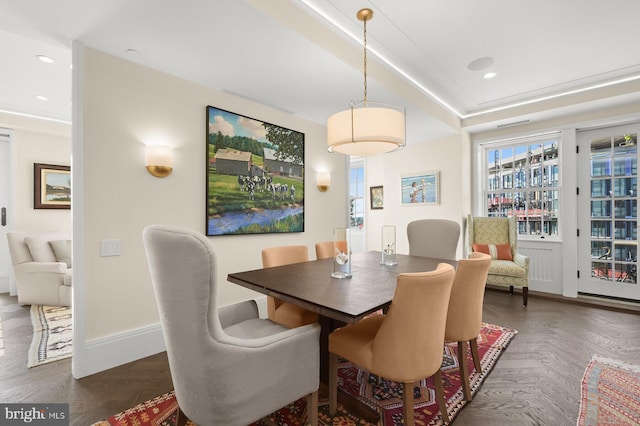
<point x="523" y="180"/>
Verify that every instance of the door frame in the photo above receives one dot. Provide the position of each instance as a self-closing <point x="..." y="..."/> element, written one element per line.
<point x="586" y="284"/>
<point x="6" y="136"/>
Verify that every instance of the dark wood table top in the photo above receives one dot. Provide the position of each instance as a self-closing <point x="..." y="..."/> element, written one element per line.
<point x="310" y="285"/>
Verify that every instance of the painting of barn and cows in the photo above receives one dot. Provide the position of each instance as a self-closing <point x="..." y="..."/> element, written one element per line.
<point x="255" y="176"/>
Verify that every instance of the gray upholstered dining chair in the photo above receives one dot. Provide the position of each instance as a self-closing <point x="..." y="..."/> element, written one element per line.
<point x="228" y="366"/>
<point x="433" y="238"/>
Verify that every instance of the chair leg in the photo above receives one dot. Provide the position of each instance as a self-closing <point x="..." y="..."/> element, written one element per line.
<point x="510" y="289"/>
<point x="442" y="403"/>
<point x="407" y="403"/>
<point x="312" y="408"/>
<point x="333" y="383"/>
<point x="181" y="418"/>
<point x="525" y="296"/>
<point x="475" y="354"/>
<point x="464" y="370"/>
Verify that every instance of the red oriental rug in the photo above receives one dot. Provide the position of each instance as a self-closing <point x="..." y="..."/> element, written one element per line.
<point x="610" y="393"/>
<point x="385" y="398"/>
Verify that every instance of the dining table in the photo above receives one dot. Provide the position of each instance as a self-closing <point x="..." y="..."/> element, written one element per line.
<point x="337" y="301"/>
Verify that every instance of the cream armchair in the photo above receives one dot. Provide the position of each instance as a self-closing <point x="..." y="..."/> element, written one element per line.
<point x="42" y="267"/>
<point x="498" y="237"/>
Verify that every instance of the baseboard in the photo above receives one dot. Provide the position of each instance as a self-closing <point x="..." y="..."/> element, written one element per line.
<point x="613" y="305"/>
<point x="109" y="352"/>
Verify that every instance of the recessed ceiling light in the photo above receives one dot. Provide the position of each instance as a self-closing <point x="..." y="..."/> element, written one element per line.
<point x="41" y="98"/>
<point x="490" y="75"/>
<point x="45" y="59"/>
<point x="480" y="63"/>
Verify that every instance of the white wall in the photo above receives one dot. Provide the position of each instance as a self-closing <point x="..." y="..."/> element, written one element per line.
<point x="446" y="156"/>
<point x="554" y="263"/>
<point x="121" y="107"/>
<point x="36" y="141"/>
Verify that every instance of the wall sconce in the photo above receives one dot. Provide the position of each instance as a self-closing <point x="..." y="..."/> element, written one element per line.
<point x="159" y="160"/>
<point x="323" y="180"/>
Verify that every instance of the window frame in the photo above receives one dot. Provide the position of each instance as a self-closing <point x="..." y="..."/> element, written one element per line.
<point x="354" y="165"/>
<point x="540" y="179"/>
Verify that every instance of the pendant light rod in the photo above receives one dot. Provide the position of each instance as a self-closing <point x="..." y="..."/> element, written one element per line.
<point x="365" y="15"/>
<point x="367" y="127"/>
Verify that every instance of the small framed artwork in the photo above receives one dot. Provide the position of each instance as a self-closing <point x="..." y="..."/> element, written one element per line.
<point x="51" y="186"/>
<point x="376" y="196"/>
<point x="423" y="188"/>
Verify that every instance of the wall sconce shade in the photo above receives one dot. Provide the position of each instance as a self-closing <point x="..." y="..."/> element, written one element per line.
<point x="323" y="179"/>
<point x="159" y="160"/>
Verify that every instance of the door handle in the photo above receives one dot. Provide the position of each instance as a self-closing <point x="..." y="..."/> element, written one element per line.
<point x="3" y="216"/>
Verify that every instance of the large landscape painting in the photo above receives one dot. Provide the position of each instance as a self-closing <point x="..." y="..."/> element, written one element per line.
<point x="255" y="176"/>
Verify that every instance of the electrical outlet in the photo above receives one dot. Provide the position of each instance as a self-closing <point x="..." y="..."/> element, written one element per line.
<point x="109" y="248"/>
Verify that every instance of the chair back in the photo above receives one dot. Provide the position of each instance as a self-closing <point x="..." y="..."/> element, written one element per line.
<point x="279" y="256"/>
<point x="408" y="345"/>
<point x="464" y="317"/>
<point x="433" y="238"/>
<point x="324" y="250"/>
<point x="492" y="230"/>
<point x="182" y="266"/>
<point x="284" y="255"/>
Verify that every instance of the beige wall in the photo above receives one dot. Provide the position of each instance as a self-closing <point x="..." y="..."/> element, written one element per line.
<point x="36" y="141"/>
<point x="125" y="106"/>
<point x="447" y="156"/>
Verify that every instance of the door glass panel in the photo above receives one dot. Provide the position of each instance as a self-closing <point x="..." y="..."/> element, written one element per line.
<point x="614" y="208"/>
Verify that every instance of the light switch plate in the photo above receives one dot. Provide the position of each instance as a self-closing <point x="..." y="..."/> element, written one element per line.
<point x="109" y="248"/>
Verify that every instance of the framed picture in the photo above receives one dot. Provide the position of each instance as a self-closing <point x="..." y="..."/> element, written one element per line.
<point x="255" y="176"/>
<point x="419" y="189"/>
<point x="376" y="196"/>
<point x="51" y="186"/>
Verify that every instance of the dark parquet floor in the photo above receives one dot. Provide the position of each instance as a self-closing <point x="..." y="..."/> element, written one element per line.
<point x="535" y="382"/>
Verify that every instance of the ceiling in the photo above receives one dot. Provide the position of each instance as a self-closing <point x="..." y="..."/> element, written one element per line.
<point x="305" y="57"/>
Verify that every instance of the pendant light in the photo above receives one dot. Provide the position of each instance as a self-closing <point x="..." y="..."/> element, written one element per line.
<point x="367" y="127"/>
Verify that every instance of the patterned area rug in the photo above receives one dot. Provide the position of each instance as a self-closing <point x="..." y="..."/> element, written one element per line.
<point x="610" y="393"/>
<point x="386" y="398"/>
<point x="52" y="333"/>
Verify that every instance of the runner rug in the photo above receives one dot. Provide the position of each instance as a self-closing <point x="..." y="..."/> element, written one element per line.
<point x="385" y="397"/>
<point x="610" y="393"/>
<point x="52" y="332"/>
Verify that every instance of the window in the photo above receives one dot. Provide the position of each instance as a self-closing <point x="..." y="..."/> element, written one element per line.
<point x="522" y="178"/>
<point x="356" y="195"/>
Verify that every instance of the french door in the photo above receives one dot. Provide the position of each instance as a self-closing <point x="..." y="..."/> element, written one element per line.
<point x="608" y="212"/>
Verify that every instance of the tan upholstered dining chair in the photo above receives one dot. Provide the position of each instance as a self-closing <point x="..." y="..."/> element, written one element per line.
<point x="433" y="238"/>
<point x="286" y="313"/>
<point x="464" y="317"/>
<point x="228" y="366"/>
<point x="498" y="237"/>
<point x="405" y="345"/>
<point x="324" y="250"/>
